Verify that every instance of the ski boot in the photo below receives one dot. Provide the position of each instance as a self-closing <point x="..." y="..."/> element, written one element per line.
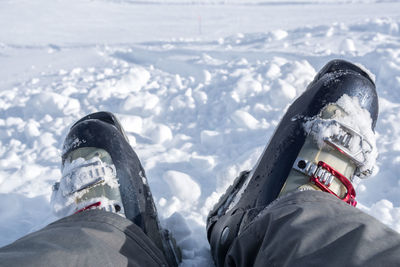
<point x="100" y="170"/>
<point x="323" y="142"/>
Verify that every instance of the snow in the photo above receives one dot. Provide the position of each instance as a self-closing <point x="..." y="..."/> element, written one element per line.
<point x="199" y="87"/>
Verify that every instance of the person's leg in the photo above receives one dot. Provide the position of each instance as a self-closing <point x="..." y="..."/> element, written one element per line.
<point x="312" y="228"/>
<point x="323" y="142"/>
<point x="90" y="238"/>
<point x="100" y="171"/>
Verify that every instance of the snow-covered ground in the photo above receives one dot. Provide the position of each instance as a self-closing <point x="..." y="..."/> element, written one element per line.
<point x="199" y="89"/>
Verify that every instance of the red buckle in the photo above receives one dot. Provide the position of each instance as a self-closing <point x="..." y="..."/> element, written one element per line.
<point x="89" y="207"/>
<point x="350" y="196"/>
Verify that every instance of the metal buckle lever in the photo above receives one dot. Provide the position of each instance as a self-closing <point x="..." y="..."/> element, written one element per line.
<point x="322" y="175"/>
<point x="342" y="143"/>
<point x="350" y="196"/>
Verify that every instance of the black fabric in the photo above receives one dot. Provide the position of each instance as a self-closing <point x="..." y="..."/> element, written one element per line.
<point x="313" y="228"/>
<point x="90" y="238"/>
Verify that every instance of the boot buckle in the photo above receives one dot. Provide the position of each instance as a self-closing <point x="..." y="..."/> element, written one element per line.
<point x="316" y="178"/>
<point x="343" y="143"/>
<point x="322" y="175"/>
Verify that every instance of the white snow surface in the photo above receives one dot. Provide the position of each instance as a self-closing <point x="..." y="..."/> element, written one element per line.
<point x="199" y="87"/>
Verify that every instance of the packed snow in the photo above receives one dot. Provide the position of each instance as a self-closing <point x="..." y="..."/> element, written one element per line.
<point x="199" y="87"/>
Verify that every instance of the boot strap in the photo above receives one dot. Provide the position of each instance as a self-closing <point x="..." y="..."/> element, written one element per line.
<point x="323" y="175"/>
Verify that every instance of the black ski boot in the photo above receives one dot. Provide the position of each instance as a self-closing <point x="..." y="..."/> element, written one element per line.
<point x="317" y="145"/>
<point x="101" y="170"/>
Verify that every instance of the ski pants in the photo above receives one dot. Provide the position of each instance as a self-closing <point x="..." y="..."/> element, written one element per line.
<point x="306" y="228"/>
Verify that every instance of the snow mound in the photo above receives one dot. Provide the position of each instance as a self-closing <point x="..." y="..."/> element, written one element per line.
<point x="183" y="186"/>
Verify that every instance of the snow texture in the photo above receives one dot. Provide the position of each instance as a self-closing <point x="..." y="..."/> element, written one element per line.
<point x="199" y="87"/>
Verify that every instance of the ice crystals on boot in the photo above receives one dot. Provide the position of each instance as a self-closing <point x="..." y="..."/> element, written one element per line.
<point x="81" y="174"/>
<point x="73" y="144"/>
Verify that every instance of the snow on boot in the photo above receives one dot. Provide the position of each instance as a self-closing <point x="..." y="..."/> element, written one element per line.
<point x="335" y="153"/>
<point x="323" y="142"/>
<point x="89" y="181"/>
<point x="100" y="170"/>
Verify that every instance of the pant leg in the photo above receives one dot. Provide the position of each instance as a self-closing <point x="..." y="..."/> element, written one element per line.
<point x="312" y="228"/>
<point x="90" y="238"/>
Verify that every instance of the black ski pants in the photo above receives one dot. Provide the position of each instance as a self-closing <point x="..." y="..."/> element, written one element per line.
<point x="306" y="228"/>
